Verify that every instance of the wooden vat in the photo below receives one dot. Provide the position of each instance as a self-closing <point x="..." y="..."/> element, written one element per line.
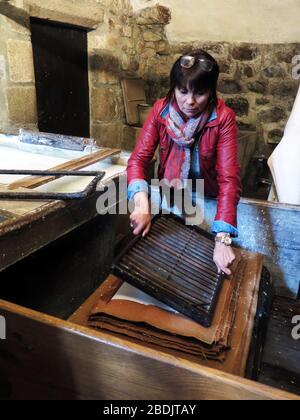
<point x="26" y="226"/>
<point x="44" y="357"/>
<point x="48" y="357"/>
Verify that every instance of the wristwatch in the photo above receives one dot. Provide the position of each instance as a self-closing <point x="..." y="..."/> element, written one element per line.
<point x="224" y="239"/>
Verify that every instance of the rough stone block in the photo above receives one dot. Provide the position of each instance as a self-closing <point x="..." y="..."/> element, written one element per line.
<point x="273" y="114"/>
<point x="287" y="53"/>
<point x="129" y="137"/>
<point x="229" y="86"/>
<point x="262" y="101"/>
<point x="86" y="14"/>
<point x="272" y="133"/>
<point x="20" y="60"/>
<point x="103" y="104"/>
<point x="273" y="71"/>
<point x="157" y="15"/>
<point x="244" y="53"/>
<point x="224" y="66"/>
<point x="104" y="68"/>
<point x="257" y="87"/>
<point x="162" y="48"/>
<point x="219" y="48"/>
<point x="3" y="110"/>
<point x="239" y="105"/>
<point x="248" y="71"/>
<point x="152" y="36"/>
<point x="107" y="135"/>
<point x="285" y="89"/>
<point x="2" y="68"/>
<point x="275" y="135"/>
<point x="21" y="102"/>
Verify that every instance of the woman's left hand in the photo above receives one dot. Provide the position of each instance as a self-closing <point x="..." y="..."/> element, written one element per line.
<point x="223" y="257"/>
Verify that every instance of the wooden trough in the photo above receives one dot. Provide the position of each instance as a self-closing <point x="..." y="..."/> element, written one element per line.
<point x="48" y="357"/>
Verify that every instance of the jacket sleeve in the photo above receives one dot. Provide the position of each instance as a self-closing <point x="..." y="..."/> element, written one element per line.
<point x="228" y="174"/>
<point x="148" y="139"/>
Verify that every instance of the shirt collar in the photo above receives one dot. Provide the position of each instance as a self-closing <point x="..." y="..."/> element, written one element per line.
<point x="213" y="116"/>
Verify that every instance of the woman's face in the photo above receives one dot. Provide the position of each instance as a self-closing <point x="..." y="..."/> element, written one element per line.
<point x="191" y="103"/>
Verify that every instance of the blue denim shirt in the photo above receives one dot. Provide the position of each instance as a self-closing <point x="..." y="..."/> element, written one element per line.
<point x="142" y="185"/>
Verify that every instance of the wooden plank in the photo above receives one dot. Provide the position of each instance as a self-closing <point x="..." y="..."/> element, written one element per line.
<point x="45" y="358"/>
<point x="134" y="94"/>
<point x="247" y="144"/>
<point x="74" y="164"/>
<point x="272" y="229"/>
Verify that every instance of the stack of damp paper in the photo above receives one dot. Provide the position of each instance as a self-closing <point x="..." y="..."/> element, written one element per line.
<point x="125" y="311"/>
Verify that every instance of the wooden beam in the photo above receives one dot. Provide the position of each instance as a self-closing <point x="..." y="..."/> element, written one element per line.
<point x="74" y="164"/>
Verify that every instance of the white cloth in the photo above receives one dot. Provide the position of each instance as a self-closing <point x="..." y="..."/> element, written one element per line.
<point x="284" y="162"/>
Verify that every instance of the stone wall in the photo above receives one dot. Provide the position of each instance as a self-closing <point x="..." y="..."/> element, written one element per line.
<point x="107" y="61"/>
<point x="17" y="86"/>
<point x="103" y="20"/>
<point x="255" y="21"/>
<point x="255" y="80"/>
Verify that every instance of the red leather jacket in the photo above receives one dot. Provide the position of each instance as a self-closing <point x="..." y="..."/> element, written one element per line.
<point x="218" y="157"/>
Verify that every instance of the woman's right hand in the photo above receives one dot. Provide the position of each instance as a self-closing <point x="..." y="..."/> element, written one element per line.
<point x="140" y="218"/>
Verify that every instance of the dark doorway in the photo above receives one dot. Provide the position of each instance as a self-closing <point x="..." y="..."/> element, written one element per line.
<point x="61" y="72"/>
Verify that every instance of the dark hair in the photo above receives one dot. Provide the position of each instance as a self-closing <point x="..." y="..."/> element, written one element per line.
<point x="195" y="78"/>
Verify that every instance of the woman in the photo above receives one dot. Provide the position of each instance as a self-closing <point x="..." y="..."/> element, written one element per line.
<point x="197" y="135"/>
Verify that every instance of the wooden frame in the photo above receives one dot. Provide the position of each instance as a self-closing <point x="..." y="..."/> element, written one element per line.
<point x="44" y="357"/>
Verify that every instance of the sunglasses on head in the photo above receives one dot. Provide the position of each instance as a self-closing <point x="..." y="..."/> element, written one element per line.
<point x="188" y="61"/>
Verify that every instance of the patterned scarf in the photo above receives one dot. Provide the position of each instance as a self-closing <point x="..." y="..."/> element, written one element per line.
<point x="183" y="135"/>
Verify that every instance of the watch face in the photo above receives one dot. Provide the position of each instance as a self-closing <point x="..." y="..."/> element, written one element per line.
<point x="227" y="241"/>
